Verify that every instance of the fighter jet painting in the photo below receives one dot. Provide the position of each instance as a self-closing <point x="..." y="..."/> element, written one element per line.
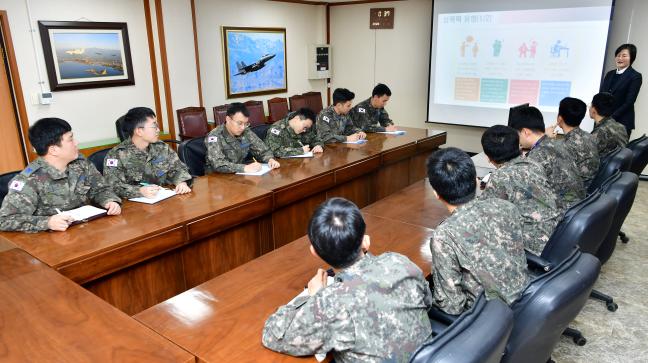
<point x="245" y="69"/>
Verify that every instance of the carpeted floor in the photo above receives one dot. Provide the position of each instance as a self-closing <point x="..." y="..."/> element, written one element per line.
<point x="620" y="336"/>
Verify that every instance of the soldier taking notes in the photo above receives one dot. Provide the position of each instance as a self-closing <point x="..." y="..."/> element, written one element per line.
<point x="294" y="135"/>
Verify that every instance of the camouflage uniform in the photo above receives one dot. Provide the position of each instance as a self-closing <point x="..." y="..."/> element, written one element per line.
<point x="581" y="146"/>
<point x="283" y="141"/>
<point x="523" y="183"/>
<point x="226" y="153"/>
<point x="332" y="127"/>
<point x="368" y="118"/>
<point x="36" y="193"/>
<point x="375" y="311"/>
<point x="478" y="248"/>
<point x="609" y="135"/>
<point x="561" y="171"/>
<point x="125" y="166"/>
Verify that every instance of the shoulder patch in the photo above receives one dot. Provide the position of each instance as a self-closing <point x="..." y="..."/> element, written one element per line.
<point x="212" y="139"/>
<point x="17" y="185"/>
<point x="275" y="131"/>
<point x="112" y="162"/>
<point x="362" y="110"/>
<point x="325" y="118"/>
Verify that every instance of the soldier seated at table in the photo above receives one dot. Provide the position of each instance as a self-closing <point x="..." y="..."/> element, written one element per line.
<point x="139" y="165"/>
<point x="479" y="247"/>
<point x="558" y="165"/>
<point x="228" y="145"/>
<point x="376" y="308"/>
<point x="294" y="135"/>
<point x="522" y="182"/>
<point x="370" y="115"/>
<point x="59" y="179"/>
<point x="580" y="144"/>
<point x="334" y="124"/>
<point x="609" y="134"/>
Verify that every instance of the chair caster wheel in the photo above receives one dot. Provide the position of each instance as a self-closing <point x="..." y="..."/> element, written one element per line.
<point x="625" y="239"/>
<point x="580" y="341"/>
<point x="612" y="306"/>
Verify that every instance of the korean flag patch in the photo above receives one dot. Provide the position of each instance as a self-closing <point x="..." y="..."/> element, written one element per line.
<point x="325" y="118"/>
<point x="212" y="139"/>
<point x="362" y="110"/>
<point x="112" y="162"/>
<point x="17" y="185"/>
<point x="275" y="131"/>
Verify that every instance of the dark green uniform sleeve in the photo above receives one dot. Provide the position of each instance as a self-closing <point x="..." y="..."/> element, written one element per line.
<point x="326" y="132"/>
<point x="363" y="121"/>
<point x="178" y="171"/>
<point x="115" y="176"/>
<point x="218" y="160"/>
<point x="258" y="148"/>
<point x="18" y="207"/>
<point x="384" y="119"/>
<point x="350" y="128"/>
<point x="311" y="138"/>
<point x="100" y="192"/>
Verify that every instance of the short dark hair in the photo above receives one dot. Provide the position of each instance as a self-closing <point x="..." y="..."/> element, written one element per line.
<point x="380" y="90"/>
<point x="47" y="132"/>
<point x="527" y="118"/>
<point x="603" y="103"/>
<point x="336" y="230"/>
<point x="304" y="114"/>
<point x="632" y="49"/>
<point x="452" y="175"/>
<point x="136" y="117"/>
<point x="236" y="107"/>
<point x="501" y="143"/>
<point x="342" y="95"/>
<point x="572" y="110"/>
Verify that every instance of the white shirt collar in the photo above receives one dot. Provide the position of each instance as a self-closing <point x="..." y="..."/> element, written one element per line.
<point x="620" y="71"/>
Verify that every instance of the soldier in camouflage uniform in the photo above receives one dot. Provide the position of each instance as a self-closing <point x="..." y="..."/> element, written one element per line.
<point x="478" y="248"/>
<point x="58" y="180"/>
<point x="522" y="182"/>
<point x="294" y="135"/>
<point x="229" y="144"/>
<point x="370" y="115"/>
<point x="374" y="311"/>
<point x="609" y="134"/>
<point x="141" y="163"/>
<point x="559" y="167"/>
<point x="580" y="144"/>
<point x="333" y="122"/>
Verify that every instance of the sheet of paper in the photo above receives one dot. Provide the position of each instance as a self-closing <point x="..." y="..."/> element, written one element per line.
<point x="360" y="141"/>
<point x="306" y="155"/>
<point x="397" y="132"/>
<point x="264" y="169"/>
<point x="85" y="212"/>
<point x="162" y="194"/>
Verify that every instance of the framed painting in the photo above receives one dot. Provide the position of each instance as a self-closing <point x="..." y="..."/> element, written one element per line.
<point x="255" y="61"/>
<point x="82" y="55"/>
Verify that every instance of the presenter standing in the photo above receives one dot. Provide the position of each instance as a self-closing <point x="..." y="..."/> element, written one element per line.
<point x="624" y="83"/>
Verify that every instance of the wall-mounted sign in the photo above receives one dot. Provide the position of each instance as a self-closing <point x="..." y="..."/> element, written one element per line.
<point x="381" y="18"/>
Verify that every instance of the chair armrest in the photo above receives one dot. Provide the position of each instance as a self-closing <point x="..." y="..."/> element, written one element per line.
<point x="440" y="316"/>
<point x="536" y="262"/>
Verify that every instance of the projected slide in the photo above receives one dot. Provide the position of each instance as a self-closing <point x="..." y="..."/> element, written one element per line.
<point x="499" y="59"/>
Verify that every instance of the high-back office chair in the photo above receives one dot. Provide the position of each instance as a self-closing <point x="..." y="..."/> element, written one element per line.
<point x="220" y="112"/>
<point x="297" y="102"/>
<point x="119" y="127"/>
<point x="97" y="158"/>
<point x="192" y="122"/>
<point x="4" y="183"/>
<point x="257" y="115"/>
<point x="193" y="153"/>
<point x="639" y="148"/>
<point x="547" y="306"/>
<point x="277" y="109"/>
<point x="477" y="336"/>
<point x="619" y="159"/>
<point x="260" y="130"/>
<point x="314" y="101"/>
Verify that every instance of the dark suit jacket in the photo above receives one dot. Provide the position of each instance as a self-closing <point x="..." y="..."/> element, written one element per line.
<point x="625" y="93"/>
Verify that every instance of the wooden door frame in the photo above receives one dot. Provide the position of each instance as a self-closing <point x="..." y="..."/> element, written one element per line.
<point x="23" y="121"/>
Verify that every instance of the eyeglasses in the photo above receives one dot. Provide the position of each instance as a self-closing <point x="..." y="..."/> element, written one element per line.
<point x="154" y="126"/>
<point x="241" y="124"/>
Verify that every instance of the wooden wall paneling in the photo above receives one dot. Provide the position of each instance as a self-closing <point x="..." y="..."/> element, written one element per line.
<point x="291" y="222"/>
<point x="212" y="256"/>
<point x="154" y="74"/>
<point x="196" y="52"/>
<point x="139" y="287"/>
<point x="165" y="68"/>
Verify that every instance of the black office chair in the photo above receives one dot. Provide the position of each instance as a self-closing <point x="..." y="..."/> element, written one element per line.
<point x="97" y="159"/>
<point x="639" y="148"/>
<point x="4" y="183"/>
<point x="547" y="306"/>
<point x="119" y="127"/>
<point x="261" y="130"/>
<point x="619" y="159"/>
<point x="478" y="335"/>
<point x="193" y="153"/>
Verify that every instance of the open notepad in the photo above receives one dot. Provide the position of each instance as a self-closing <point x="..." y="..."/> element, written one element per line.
<point x="360" y="141"/>
<point x="305" y="155"/>
<point x="397" y="132"/>
<point x="264" y="169"/>
<point x="85" y="213"/>
<point x="162" y="194"/>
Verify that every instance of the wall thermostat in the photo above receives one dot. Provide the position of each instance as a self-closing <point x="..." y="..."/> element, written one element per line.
<point x="46" y="98"/>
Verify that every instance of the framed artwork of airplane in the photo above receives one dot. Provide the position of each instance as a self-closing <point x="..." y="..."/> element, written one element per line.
<point x="82" y="55"/>
<point x="255" y="61"/>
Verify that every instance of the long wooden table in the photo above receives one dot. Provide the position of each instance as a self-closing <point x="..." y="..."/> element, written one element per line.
<point x="222" y="319"/>
<point x="153" y="252"/>
<point x="45" y="317"/>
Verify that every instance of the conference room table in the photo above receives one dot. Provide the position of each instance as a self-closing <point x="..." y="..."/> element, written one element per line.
<point x="150" y="253"/>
